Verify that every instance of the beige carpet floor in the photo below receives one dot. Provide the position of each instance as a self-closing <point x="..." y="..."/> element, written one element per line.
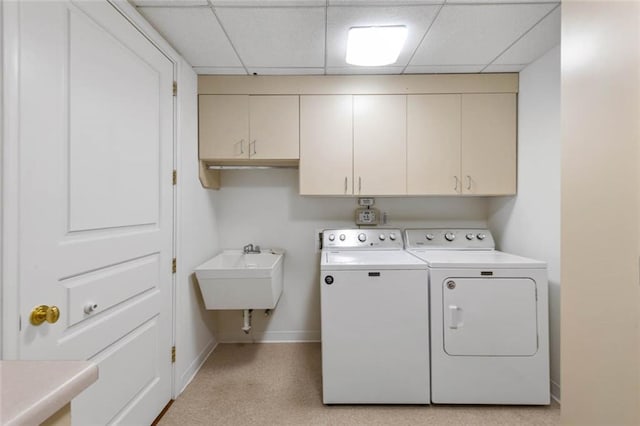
<point x="281" y="384"/>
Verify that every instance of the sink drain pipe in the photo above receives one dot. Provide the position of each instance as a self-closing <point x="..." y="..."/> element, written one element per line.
<point x="246" y="315"/>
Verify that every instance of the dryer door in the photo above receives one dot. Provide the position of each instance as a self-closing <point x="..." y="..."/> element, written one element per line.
<point x="489" y="316"/>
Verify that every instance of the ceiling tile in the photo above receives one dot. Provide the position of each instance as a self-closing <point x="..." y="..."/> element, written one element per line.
<point x="174" y="3"/>
<point x="500" y="1"/>
<point x="535" y="43"/>
<point x="364" y="70"/>
<point x="195" y="33"/>
<point x="268" y="3"/>
<point x="276" y="37"/>
<point x="286" y="71"/>
<point x="504" y="68"/>
<point x="339" y="19"/>
<point x="476" y="34"/>
<point x="442" y="69"/>
<point x="395" y="3"/>
<point x="220" y="70"/>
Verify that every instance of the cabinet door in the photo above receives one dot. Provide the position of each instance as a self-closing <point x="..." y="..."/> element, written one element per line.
<point x="380" y="144"/>
<point x="224" y="127"/>
<point x="274" y="127"/>
<point x="326" y="145"/>
<point x="433" y="145"/>
<point x="489" y="144"/>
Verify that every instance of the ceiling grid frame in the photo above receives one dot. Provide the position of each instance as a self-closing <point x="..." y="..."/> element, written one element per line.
<point x="303" y="63"/>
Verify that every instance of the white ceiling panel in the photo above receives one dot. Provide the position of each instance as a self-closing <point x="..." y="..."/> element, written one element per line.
<point x="394" y="3"/>
<point x="220" y="70"/>
<point x="476" y="34"/>
<point x="442" y="69"/>
<point x="339" y="19"/>
<point x="175" y="3"/>
<point x="364" y="70"/>
<point x="195" y="33"/>
<point x="535" y="43"/>
<point x="286" y="71"/>
<point x="504" y="68"/>
<point x="276" y="37"/>
<point x="268" y="3"/>
<point x="500" y="1"/>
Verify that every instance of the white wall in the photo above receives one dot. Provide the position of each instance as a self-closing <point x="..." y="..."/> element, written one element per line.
<point x="600" y="213"/>
<point x="263" y="207"/>
<point x="197" y="238"/>
<point x="529" y="224"/>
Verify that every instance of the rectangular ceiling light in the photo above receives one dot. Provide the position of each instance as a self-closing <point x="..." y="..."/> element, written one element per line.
<point x="375" y="46"/>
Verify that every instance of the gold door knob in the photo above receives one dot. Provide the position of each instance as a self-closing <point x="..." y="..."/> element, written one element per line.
<point x="43" y="313"/>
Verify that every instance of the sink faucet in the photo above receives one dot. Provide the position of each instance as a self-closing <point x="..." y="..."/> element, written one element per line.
<point x="249" y="248"/>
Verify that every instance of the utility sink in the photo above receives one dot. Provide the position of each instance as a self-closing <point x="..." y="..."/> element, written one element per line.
<point x="235" y="280"/>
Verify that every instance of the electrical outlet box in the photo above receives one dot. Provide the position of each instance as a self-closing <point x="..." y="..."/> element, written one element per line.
<point x="367" y="216"/>
<point x="366" y="202"/>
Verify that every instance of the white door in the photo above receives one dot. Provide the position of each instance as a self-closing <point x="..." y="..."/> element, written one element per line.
<point x="95" y="204"/>
<point x="490" y="316"/>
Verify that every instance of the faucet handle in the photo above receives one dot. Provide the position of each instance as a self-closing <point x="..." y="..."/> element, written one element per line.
<point x="256" y="249"/>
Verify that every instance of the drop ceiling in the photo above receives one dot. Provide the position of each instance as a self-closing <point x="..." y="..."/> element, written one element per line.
<point x="280" y="37"/>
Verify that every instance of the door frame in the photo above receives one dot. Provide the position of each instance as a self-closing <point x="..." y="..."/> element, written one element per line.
<point x="9" y="156"/>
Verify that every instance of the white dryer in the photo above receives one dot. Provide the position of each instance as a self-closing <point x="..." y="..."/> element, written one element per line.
<point x="489" y="319"/>
<point x="375" y="319"/>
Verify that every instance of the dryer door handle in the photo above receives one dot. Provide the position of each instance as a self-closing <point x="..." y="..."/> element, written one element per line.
<point x="456" y="317"/>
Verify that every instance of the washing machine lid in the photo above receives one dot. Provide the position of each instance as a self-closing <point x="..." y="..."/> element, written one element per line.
<point x="369" y="259"/>
<point x="475" y="259"/>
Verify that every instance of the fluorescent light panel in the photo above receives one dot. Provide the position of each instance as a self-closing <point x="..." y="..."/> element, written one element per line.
<point x="375" y="46"/>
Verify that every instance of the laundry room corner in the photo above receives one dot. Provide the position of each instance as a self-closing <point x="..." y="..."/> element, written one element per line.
<point x="529" y="224"/>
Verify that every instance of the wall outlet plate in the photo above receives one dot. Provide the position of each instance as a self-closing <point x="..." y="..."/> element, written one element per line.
<point x="367" y="216"/>
<point x="366" y="202"/>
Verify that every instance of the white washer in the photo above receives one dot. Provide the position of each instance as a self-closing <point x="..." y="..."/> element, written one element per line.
<point x="374" y="306"/>
<point x="489" y="319"/>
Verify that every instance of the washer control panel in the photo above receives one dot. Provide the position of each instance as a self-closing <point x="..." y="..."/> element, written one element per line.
<point x="449" y="238"/>
<point x="388" y="239"/>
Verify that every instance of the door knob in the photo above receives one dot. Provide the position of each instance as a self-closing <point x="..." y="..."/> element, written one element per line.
<point x="43" y="313"/>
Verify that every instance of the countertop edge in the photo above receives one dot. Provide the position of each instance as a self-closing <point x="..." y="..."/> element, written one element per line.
<point x="46" y="404"/>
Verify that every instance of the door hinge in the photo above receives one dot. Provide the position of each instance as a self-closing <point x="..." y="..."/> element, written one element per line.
<point x="175" y="88"/>
<point x="175" y="177"/>
<point x="173" y="354"/>
<point x="174" y="265"/>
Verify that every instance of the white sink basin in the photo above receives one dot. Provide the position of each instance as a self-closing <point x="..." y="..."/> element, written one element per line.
<point x="234" y="280"/>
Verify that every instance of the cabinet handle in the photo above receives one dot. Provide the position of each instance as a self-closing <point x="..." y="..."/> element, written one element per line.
<point x="254" y="147"/>
<point x="468" y="182"/>
<point x="241" y="146"/>
<point x="455" y="188"/>
<point x="359" y="184"/>
<point x="345" y="184"/>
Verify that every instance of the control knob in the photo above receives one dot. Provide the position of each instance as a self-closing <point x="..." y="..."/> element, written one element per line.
<point x="450" y="236"/>
<point x="481" y="236"/>
<point x="392" y="236"/>
<point x="382" y="237"/>
<point x="342" y="237"/>
<point x="362" y="238"/>
<point x="332" y="237"/>
<point x="429" y="237"/>
<point x="470" y="236"/>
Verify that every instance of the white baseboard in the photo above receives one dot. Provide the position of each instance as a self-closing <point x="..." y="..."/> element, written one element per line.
<point x="271" y="337"/>
<point x="555" y="391"/>
<point x="195" y="366"/>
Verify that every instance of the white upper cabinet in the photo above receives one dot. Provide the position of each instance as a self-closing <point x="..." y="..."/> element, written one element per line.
<point x="489" y="144"/>
<point x="433" y="145"/>
<point x="380" y="144"/>
<point x="224" y="127"/>
<point x="243" y="127"/>
<point x="326" y="145"/>
<point x="274" y="127"/>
